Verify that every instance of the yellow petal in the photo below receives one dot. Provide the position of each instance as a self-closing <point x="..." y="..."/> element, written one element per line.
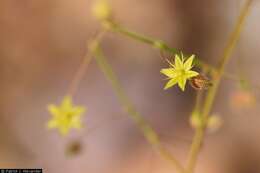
<point x="66" y="104"/>
<point x="188" y="63"/>
<point x="78" y="110"/>
<point x="169" y="72"/>
<point x="178" y="62"/>
<point x="170" y="83"/>
<point x="182" y="83"/>
<point x="76" y="124"/>
<point x="53" y="110"/>
<point x="52" y="124"/>
<point x="190" y="74"/>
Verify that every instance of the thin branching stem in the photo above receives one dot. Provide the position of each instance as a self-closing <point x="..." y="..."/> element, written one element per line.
<point x="210" y="97"/>
<point x="142" y="38"/>
<point x="148" y="132"/>
<point x="79" y="74"/>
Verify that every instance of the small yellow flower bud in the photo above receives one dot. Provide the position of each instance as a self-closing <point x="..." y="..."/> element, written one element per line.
<point x="101" y="10"/>
<point x="195" y="120"/>
<point x="214" y="123"/>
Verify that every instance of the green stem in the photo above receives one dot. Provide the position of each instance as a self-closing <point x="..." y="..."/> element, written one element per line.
<point x="148" y="132"/>
<point x="139" y="37"/>
<point x="209" y="100"/>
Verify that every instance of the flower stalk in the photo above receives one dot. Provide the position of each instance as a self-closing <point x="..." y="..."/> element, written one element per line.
<point x="148" y="132"/>
<point x="210" y="97"/>
<point x="79" y="74"/>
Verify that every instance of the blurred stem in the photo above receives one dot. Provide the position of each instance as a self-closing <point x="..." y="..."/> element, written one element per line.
<point x="158" y="44"/>
<point x="142" y="38"/>
<point x="209" y="100"/>
<point x="83" y="67"/>
<point x="198" y="101"/>
<point x="148" y="132"/>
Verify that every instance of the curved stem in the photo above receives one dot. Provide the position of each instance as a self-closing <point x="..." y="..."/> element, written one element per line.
<point x="148" y="132"/>
<point x="200" y="132"/>
<point x="142" y="38"/>
<point x="79" y="74"/>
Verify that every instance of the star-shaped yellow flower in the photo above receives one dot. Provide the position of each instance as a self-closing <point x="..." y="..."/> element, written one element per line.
<point x="65" y="116"/>
<point x="179" y="72"/>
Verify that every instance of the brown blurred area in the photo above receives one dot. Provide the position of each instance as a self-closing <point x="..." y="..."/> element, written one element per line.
<point x="42" y="43"/>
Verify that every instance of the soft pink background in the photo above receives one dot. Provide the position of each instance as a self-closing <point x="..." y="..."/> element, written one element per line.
<point x="42" y="44"/>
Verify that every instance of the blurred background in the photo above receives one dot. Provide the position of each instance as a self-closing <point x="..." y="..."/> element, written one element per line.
<point x="42" y="44"/>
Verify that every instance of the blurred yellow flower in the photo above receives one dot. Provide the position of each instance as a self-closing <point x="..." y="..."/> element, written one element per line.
<point x="101" y="10"/>
<point x="65" y="116"/>
<point x="179" y="72"/>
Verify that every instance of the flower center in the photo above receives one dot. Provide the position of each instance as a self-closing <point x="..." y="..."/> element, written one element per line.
<point x="182" y="72"/>
<point x="69" y="115"/>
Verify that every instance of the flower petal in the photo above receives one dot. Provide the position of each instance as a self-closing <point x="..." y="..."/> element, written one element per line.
<point x="170" y="83"/>
<point x="66" y="104"/>
<point x="190" y="74"/>
<point x="188" y="63"/>
<point x="77" y="111"/>
<point x="53" y="110"/>
<point x="52" y="124"/>
<point x="178" y="62"/>
<point x="76" y="123"/>
<point x="182" y="83"/>
<point x="169" y="72"/>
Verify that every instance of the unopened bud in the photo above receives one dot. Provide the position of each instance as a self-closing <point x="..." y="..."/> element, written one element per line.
<point x="101" y="10"/>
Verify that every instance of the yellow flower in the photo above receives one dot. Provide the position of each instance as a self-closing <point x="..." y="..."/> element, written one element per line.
<point x="179" y="72"/>
<point x="65" y="116"/>
<point x="101" y="10"/>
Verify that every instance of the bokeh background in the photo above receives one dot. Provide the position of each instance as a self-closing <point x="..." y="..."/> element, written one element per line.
<point x="42" y="44"/>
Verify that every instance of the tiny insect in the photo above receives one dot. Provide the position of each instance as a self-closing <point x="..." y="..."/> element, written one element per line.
<point x="200" y="82"/>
